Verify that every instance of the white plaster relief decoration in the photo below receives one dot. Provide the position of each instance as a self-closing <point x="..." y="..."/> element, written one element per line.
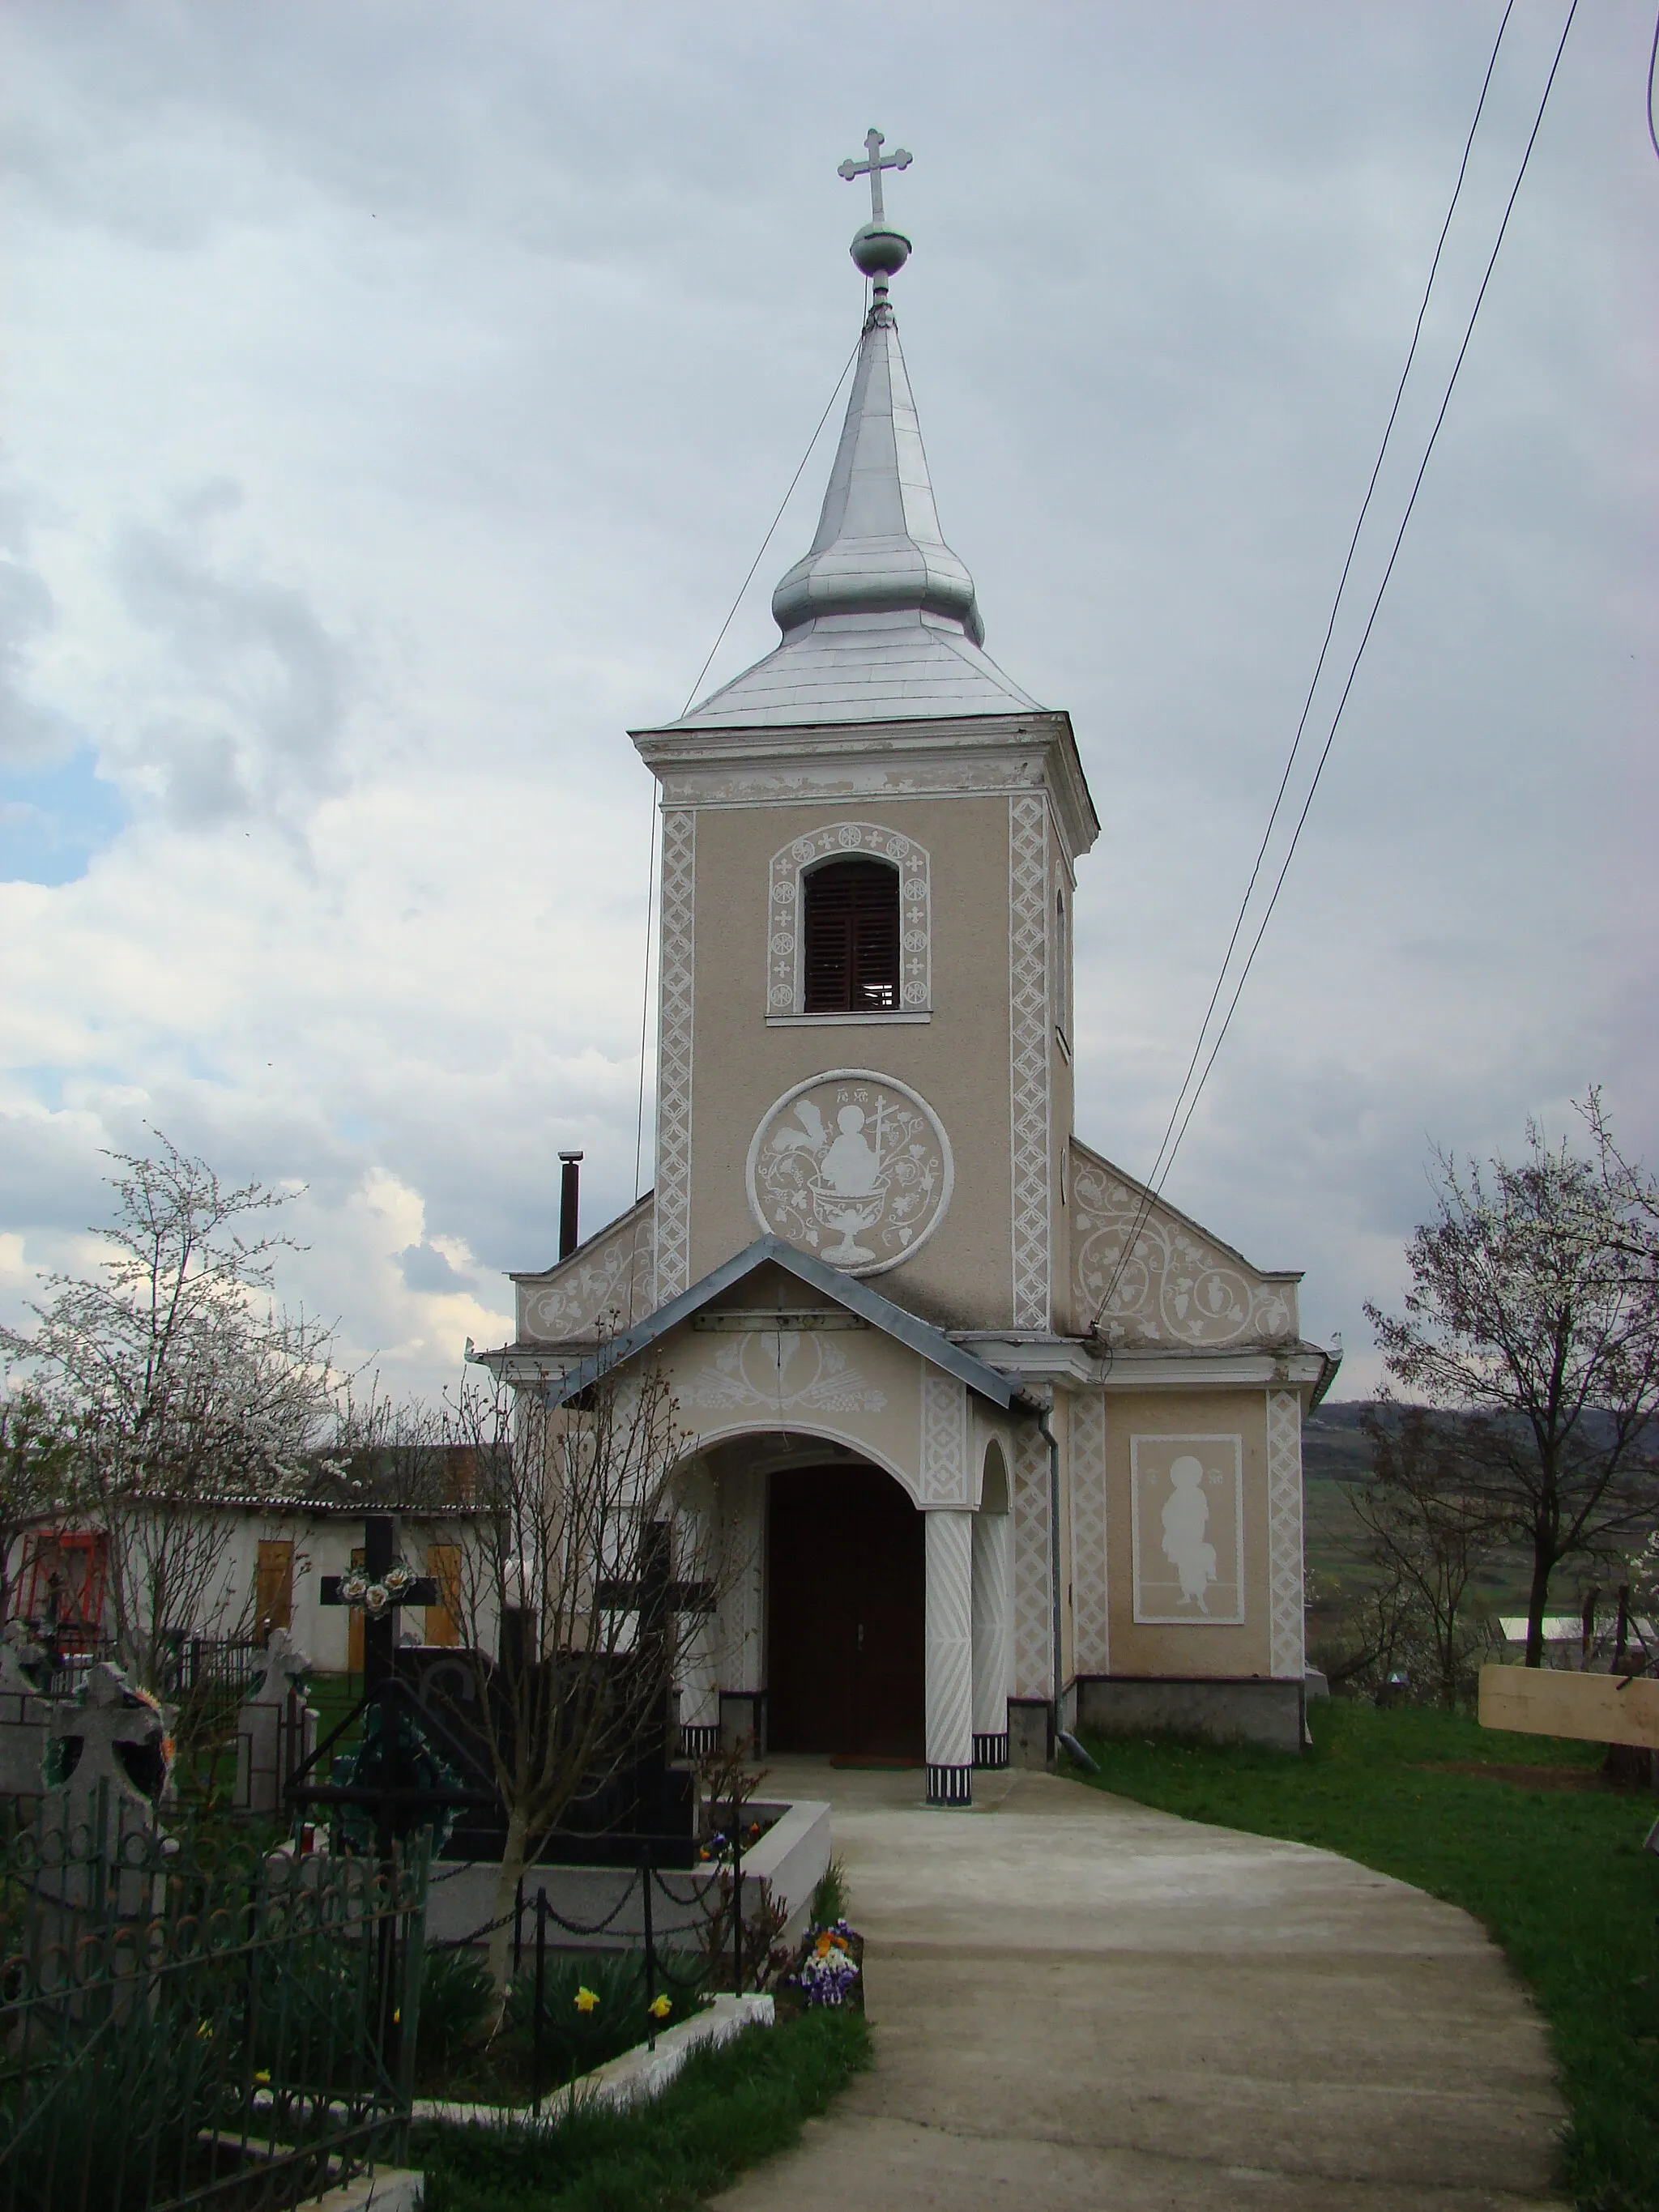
<point x="782" y="1371"/>
<point x="1187" y="1524"/>
<point x="743" y="1539"/>
<point x="611" y="1281"/>
<point x="833" y="783"/>
<point x="1033" y="1623"/>
<point x="1028" y="1025"/>
<point x="945" y="1462"/>
<point x="678" y="973"/>
<point x="785" y="951"/>
<point x="1287" y="1658"/>
<point x="1090" y="1620"/>
<point x="1177" y="1286"/>
<point x="853" y="1166"/>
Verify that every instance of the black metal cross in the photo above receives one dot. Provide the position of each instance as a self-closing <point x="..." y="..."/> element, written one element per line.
<point x="381" y="1562"/>
<point x="653" y="1594"/>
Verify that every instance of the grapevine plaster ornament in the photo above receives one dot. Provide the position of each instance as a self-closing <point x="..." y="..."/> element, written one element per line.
<point x="853" y="1166"/>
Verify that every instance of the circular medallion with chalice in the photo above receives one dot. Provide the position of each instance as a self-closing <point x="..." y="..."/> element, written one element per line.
<point x="853" y="1166"/>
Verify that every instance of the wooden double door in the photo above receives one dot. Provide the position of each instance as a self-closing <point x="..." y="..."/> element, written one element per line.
<point x="846" y="1587"/>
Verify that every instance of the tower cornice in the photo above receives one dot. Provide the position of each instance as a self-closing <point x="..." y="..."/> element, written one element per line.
<point x="829" y="763"/>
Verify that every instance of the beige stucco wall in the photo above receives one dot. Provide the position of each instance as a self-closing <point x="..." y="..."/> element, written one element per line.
<point x="1219" y="1649"/>
<point x="958" y="1058"/>
<point x="854" y="1386"/>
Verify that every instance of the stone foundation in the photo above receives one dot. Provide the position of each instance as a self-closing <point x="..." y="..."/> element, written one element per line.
<point x="1030" y="1732"/>
<point x="1247" y="1711"/>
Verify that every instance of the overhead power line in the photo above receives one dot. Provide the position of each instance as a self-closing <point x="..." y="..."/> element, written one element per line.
<point x="1176" y="1128"/>
<point x="691" y="698"/>
<point x="732" y="611"/>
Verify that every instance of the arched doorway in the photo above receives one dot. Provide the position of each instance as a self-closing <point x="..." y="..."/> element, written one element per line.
<point x="846" y="1587"/>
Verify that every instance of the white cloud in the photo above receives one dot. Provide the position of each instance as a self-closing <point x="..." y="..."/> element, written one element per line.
<point x="394" y="409"/>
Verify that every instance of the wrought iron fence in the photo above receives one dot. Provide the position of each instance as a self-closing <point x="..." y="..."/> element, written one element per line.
<point x="226" y="1665"/>
<point x="185" y="2022"/>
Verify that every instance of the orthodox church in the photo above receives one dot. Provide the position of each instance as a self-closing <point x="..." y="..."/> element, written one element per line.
<point x="994" y="1443"/>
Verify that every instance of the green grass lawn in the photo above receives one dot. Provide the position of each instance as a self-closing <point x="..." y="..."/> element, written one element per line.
<point x="1558" y="1877"/>
<point x="726" y="2110"/>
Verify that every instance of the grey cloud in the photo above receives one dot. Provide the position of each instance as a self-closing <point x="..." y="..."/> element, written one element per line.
<point x="29" y="731"/>
<point x="268" y="688"/>
<point x="579" y="281"/>
<point x="425" y="1268"/>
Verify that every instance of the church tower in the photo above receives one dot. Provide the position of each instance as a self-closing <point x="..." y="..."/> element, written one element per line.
<point x="869" y="844"/>
<point x="1046" y="1430"/>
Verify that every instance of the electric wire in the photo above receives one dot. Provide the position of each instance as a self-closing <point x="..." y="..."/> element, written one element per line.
<point x="645" y="992"/>
<point x="1336" y="605"/>
<point x="1166" y="1159"/>
<point x="651" y="879"/>
<point x="1653" y="64"/>
<point x="777" y="519"/>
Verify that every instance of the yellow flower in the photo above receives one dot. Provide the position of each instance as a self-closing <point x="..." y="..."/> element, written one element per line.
<point x="262" y="2075"/>
<point x="659" y="2008"/>
<point x="586" y="1999"/>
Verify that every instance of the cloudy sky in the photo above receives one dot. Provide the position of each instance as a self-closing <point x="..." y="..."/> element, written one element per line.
<point x="395" y="394"/>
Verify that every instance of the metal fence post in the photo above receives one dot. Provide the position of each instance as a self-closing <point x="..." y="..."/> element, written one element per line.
<point x="541" y="1983"/>
<point x="650" y="1948"/>
<point x="413" y="1974"/>
<point x="737" y="1904"/>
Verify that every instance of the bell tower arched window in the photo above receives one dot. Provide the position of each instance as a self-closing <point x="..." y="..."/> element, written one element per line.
<point x="852" y="936"/>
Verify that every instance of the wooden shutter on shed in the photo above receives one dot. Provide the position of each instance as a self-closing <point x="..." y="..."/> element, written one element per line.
<point x="273" y="1590"/>
<point x="852" y="963"/>
<point x="443" y="1620"/>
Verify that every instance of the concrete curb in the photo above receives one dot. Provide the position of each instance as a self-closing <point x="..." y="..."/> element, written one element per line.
<point x="638" y="2075"/>
<point x="390" y="2189"/>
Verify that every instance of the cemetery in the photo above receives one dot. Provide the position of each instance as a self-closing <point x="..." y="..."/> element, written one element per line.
<point x="279" y="1960"/>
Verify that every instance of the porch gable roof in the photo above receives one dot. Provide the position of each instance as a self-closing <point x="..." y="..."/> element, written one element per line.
<point x="921" y="1336"/>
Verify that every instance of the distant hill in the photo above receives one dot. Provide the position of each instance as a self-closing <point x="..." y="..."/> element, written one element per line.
<point x="1335" y="1457"/>
<point x="1334" y="1446"/>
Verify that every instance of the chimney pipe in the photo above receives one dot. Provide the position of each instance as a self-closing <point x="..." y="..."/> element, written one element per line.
<point x="569" y="1188"/>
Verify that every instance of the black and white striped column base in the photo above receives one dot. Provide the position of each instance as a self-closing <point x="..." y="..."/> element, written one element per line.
<point x="699" y="1739"/>
<point x="991" y="1750"/>
<point x="949" y="1785"/>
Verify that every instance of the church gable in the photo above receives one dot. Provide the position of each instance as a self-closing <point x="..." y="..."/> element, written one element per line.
<point x="1181" y="1289"/>
<point x="606" y="1282"/>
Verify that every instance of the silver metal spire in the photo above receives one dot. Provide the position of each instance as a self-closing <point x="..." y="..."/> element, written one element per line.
<point x="879" y="618"/>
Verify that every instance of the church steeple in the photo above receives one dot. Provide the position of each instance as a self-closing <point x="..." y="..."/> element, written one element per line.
<point x="879" y="548"/>
<point x="879" y="618"/>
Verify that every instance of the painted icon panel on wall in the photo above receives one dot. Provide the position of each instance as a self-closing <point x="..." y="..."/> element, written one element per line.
<point x="1186" y="1521"/>
<point x="853" y="1166"/>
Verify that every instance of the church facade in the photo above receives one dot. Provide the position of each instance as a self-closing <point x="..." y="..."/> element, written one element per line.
<point x="995" y="1444"/>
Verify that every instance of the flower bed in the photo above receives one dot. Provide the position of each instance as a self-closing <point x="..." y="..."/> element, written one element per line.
<point x="828" y="1971"/>
<point x="594" y="2007"/>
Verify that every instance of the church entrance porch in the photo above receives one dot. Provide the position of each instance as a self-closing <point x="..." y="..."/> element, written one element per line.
<point x="846" y="1604"/>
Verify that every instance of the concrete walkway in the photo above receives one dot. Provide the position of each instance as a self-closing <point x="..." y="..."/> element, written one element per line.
<point x="1080" y="2004"/>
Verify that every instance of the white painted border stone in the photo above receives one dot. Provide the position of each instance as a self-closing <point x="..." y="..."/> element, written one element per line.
<point x="634" y="2078"/>
<point x="389" y="2189"/>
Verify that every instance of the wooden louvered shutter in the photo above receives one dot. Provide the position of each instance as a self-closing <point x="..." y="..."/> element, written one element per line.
<point x="852" y="937"/>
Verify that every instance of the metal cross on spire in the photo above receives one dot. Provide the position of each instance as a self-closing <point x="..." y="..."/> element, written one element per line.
<point x="871" y="167"/>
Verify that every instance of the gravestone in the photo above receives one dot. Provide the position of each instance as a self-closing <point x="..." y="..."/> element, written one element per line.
<point x="23" y="1712"/>
<point x="108" y="1754"/>
<point x="275" y="1729"/>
